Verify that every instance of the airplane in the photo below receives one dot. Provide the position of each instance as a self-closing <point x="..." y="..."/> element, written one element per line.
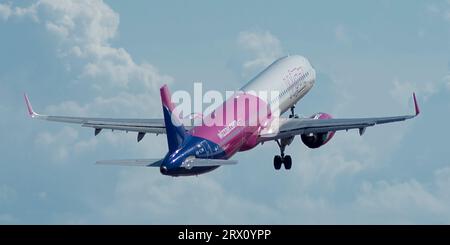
<point x="195" y="150"/>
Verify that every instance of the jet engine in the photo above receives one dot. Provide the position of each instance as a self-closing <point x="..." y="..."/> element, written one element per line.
<point x="316" y="140"/>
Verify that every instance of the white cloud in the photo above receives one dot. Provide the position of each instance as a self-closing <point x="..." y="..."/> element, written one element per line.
<point x="404" y="89"/>
<point x="399" y="198"/>
<point x="5" y="11"/>
<point x="69" y="143"/>
<point x="58" y="144"/>
<point x="144" y="196"/>
<point x="85" y="29"/>
<point x="407" y="201"/>
<point x="124" y="104"/>
<point x="442" y="10"/>
<point x="447" y="11"/>
<point x="304" y="209"/>
<point x="263" y="47"/>
<point x="442" y="179"/>
<point x="324" y="167"/>
<point x="447" y="81"/>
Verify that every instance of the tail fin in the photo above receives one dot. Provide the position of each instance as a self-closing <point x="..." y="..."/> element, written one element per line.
<point x="175" y="130"/>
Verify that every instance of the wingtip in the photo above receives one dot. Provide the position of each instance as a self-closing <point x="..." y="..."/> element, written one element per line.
<point x="416" y="105"/>
<point x="31" y="112"/>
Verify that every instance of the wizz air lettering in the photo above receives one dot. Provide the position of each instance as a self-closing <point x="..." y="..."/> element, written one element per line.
<point x="225" y="131"/>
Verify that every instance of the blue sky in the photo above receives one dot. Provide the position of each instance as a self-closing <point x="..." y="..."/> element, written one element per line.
<point x="108" y="58"/>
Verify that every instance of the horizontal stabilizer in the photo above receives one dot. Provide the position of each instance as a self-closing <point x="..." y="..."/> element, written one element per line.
<point x="198" y="162"/>
<point x="133" y="162"/>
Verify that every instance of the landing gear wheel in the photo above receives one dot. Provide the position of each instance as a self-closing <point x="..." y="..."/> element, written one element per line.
<point x="287" y="162"/>
<point x="277" y="161"/>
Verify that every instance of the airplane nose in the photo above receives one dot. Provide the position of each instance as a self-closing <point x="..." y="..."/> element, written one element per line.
<point x="163" y="170"/>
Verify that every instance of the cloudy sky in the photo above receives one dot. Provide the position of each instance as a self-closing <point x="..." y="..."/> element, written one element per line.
<point x="108" y="58"/>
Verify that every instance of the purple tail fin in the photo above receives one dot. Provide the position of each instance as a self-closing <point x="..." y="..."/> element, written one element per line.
<point x="175" y="131"/>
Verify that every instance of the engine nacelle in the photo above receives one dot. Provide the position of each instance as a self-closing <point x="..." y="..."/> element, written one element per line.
<point x="317" y="140"/>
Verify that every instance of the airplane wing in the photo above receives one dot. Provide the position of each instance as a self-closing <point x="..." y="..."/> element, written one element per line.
<point x="288" y="127"/>
<point x="142" y="126"/>
<point x="133" y="162"/>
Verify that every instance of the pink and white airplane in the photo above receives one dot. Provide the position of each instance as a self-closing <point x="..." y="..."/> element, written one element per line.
<point x="199" y="149"/>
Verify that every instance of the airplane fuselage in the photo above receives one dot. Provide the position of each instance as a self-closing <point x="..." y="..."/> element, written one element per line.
<point x="235" y="125"/>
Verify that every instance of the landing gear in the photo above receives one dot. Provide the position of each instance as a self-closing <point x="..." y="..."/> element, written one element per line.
<point x="287" y="162"/>
<point x="281" y="159"/>
<point x="278" y="160"/>
<point x="293" y="115"/>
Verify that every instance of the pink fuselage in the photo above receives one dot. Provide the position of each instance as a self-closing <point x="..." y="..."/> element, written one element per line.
<point x="235" y="125"/>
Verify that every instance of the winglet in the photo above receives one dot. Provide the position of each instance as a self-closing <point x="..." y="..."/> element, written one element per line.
<point x="416" y="105"/>
<point x="29" y="107"/>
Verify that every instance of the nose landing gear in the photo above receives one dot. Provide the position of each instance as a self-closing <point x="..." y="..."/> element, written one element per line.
<point x="293" y="115"/>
